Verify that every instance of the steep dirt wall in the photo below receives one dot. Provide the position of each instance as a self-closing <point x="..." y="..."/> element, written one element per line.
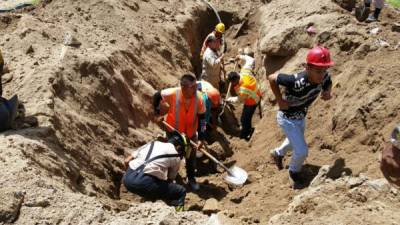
<point x="85" y="73"/>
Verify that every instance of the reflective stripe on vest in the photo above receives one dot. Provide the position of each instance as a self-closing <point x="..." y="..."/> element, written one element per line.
<point x="246" y="72"/>
<point x="251" y="93"/>
<point x="177" y="105"/>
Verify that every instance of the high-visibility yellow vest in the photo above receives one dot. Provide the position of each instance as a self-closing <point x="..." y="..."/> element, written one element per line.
<point x="248" y="89"/>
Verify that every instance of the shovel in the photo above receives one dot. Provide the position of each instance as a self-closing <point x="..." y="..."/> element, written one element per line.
<point x="236" y="175"/>
<point x="226" y="96"/>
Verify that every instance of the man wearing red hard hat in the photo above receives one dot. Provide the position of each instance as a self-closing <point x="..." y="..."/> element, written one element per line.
<point x="301" y="90"/>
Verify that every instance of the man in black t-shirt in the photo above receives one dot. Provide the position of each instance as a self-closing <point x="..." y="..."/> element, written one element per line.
<point x="300" y="92"/>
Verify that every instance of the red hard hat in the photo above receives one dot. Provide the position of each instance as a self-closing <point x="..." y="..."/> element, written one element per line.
<point x="319" y="56"/>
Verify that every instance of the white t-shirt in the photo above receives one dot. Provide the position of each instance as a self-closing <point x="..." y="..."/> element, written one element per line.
<point x="164" y="168"/>
<point x="249" y="62"/>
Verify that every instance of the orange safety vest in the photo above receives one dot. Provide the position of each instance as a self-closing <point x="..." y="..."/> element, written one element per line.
<point x="248" y="89"/>
<point x="185" y="121"/>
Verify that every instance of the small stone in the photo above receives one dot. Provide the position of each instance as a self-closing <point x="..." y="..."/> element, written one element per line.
<point x="70" y="40"/>
<point x="382" y="43"/>
<point x="375" y="30"/>
<point x="239" y="197"/>
<point x="30" y="50"/>
<point x="41" y="203"/>
<point x="10" y="205"/>
<point x="396" y="27"/>
<point x="211" y="206"/>
<point x="379" y="185"/>
<point x="355" y="182"/>
<point x="321" y="176"/>
<point x="394" y="191"/>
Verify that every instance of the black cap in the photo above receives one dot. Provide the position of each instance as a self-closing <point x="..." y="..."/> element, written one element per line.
<point x="232" y="76"/>
<point x="178" y="140"/>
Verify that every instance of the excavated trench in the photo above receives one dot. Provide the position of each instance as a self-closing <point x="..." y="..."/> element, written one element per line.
<point x="80" y="150"/>
<point x="99" y="116"/>
<point x="195" y="31"/>
<point x="97" y="169"/>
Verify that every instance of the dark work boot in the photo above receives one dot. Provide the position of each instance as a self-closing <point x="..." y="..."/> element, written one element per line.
<point x="296" y="181"/>
<point x="277" y="159"/>
<point x="193" y="184"/>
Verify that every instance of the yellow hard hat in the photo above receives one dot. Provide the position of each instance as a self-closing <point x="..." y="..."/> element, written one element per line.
<point x="220" y="28"/>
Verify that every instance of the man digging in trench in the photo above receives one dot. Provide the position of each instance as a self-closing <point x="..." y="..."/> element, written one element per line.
<point x="301" y="90"/>
<point x="185" y="112"/>
<point x="151" y="169"/>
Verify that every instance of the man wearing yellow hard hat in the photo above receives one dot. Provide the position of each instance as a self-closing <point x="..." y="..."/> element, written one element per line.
<point x="217" y="33"/>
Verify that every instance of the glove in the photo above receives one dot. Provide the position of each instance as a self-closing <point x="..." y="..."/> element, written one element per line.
<point x="232" y="99"/>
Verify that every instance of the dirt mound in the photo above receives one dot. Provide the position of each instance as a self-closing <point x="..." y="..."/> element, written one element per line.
<point x="85" y="72"/>
<point x="348" y="200"/>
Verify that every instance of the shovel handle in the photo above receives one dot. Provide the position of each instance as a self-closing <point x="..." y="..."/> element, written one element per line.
<point x="202" y="150"/>
<point x="228" y="92"/>
<point x="216" y="160"/>
<point x="234" y="68"/>
<point x="226" y="96"/>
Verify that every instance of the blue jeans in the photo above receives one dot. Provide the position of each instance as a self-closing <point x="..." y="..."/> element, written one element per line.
<point x="294" y="131"/>
<point x="153" y="188"/>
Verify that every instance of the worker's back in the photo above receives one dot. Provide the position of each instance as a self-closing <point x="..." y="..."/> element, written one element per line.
<point x="162" y="168"/>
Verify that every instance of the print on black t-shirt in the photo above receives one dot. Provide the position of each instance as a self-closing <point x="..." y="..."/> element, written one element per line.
<point x="300" y="93"/>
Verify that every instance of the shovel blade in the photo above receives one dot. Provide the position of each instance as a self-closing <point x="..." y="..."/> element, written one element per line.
<point x="237" y="176"/>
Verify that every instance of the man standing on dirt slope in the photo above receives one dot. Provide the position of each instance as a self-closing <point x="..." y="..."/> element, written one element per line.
<point x="301" y="89"/>
<point x="378" y="7"/>
<point x="151" y="169"/>
<point x="245" y="86"/>
<point x="390" y="163"/>
<point x="185" y="112"/>
<point x="212" y="65"/>
<point x="217" y="33"/>
<point x="212" y="101"/>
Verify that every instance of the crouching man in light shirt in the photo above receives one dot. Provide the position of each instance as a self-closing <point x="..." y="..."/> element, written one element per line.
<point x="152" y="168"/>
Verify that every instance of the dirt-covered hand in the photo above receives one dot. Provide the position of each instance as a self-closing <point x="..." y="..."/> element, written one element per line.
<point x="326" y="95"/>
<point x="283" y="104"/>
